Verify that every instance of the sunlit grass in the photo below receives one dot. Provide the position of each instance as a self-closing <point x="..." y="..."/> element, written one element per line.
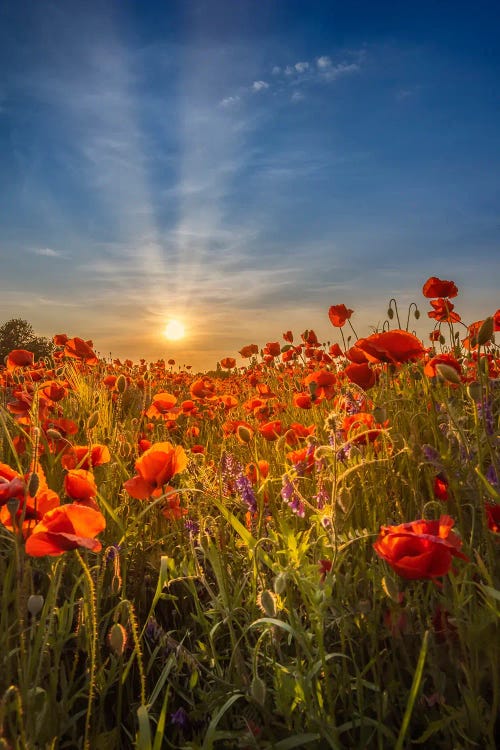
<point x="235" y="597"/>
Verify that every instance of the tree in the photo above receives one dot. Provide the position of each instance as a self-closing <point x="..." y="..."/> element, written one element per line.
<point x="19" y="334"/>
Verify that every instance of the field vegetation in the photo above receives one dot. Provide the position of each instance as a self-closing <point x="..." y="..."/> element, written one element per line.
<point x="301" y="551"/>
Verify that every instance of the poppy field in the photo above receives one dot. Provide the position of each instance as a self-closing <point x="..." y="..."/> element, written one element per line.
<point x="297" y="549"/>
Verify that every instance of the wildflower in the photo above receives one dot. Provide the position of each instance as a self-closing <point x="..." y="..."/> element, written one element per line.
<point x="441" y="488"/>
<point x="420" y="549"/>
<point x="244" y="487"/>
<point x="180" y="718"/>
<point x="435" y="287"/>
<point x="394" y="347"/>
<point x="79" y="485"/>
<point x="443" y="311"/>
<point x="228" y="363"/>
<point x="64" y="528"/>
<point x="493" y="516"/>
<point x="155" y="468"/>
<point x="339" y="315"/>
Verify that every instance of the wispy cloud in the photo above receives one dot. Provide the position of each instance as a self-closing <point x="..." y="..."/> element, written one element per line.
<point x="47" y="252"/>
<point x="259" y="86"/>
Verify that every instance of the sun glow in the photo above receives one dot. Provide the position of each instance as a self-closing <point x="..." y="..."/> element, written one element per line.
<point x="174" y="330"/>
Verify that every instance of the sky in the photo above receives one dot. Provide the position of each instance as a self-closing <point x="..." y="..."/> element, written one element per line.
<point x="241" y="165"/>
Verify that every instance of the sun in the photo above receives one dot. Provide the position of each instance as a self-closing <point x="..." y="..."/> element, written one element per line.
<point x="174" y="330"/>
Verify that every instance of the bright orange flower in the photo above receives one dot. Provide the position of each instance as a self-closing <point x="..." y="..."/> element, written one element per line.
<point x="362" y="375"/>
<point x="228" y="363"/>
<point x="324" y="384"/>
<point x="335" y="350"/>
<point x="257" y="471"/>
<point x="302" y="400"/>
<point x="272" y="349"/>
<point x="271" y="430"/>
<point x="14" y="485"/>
<point x="84" y="457"/>
<point x="361" y="428"/>
<point x="395" y="347"/>
<point x="60" y="339"/>
<point x="288" y="336"/>
<point x="79" y="485"/>
<point x="496" y="321"/>
<point x="64" y="528"/>
<point x="339" y="315"/>
<point x="77" y="348"/>
<point x="443" y="311"/>
<point x="202" y="388"/>
<point x="420" y="549"/>
<point x="155" y="468"/>
<point x="171" y="508"/>
<point x="162" y="404"/>
<point x="19" y="358"/>
<point x="247" y="351"/>
<point x="435" y="287"/>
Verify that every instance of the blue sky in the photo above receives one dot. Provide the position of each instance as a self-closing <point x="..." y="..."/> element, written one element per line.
<point x="243" y="166"/>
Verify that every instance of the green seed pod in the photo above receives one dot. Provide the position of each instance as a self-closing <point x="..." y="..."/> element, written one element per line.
<point x="267" y="602"/>
<point x="485" y="332"/>
<point x="447" y="373"/>
<point x="279" y="584"/>
<point x="33" y="484"/>
<point x="243" y="434"/>
<point x="54" y="434"/>
<point x="121" y="383"/>
<point x="379" y="414"/>
<point x="35" y="604"/>
<point x="258" y="690"/>
<point x="474" y="391"/>
<point x="117" y="639"/>
<point x="92" y="420"/>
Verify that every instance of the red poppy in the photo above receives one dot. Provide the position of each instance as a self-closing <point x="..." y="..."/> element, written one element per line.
<point x="335" y="350"/>
<point x="271" y="430"/>
<point x="79" y="485"/>
<point x="85" y="457"/>
<point x="202" y="388"/>
<point x="272" y="349"/>
<point x="64" y="528"/>
<point x="19" y="358"/>
<point x="493" y="516"/>
<point x="77" y="348"/>
<point x="441" y="359"/>
<point x="322" y="384"/>
<point x="228" y="363"/>
<point x="161" y="405"/>
<point x="361" y="428"/>
<point x="256" y="471"/>
<point x="247" y="351"/>
<point x="339" y="315"/>
<point x="435" y="287"/>
<point x="302" y="400"/>
<point x="155" y="468"/>
<point x="362" y="375"/>
<point x="443" y="311"/>
<point x="420" y="549"/>
<point x="441" y="488"/>
<point x="288" y="336"/>
<point x="60" y="339"/>
<point x="496" y="321"/>
<point x="394" y="347"/>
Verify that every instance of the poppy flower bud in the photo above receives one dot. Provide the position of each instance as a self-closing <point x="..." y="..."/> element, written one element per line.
<point x="13" y="506"/>
<point x="258" y="690"/>
<point x="267" y="603"/>
<point x="54" y="434"/>
<point x="447" y="373"/>
<point x="35" y="604"/>
<point x="279" y="584"/>
<point x="474" y="391"/>
<point x="243" y="434"/>
<point x="92" y="420"/>
<point x="379" y="414"/>
<point x="33" y="485"/>
<point x="390" y="313"/>
<point x="417" y="313"/>
<point x="117" y="639"/>
<point x="485" y="332"/>
<point x="121" y="383"/>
